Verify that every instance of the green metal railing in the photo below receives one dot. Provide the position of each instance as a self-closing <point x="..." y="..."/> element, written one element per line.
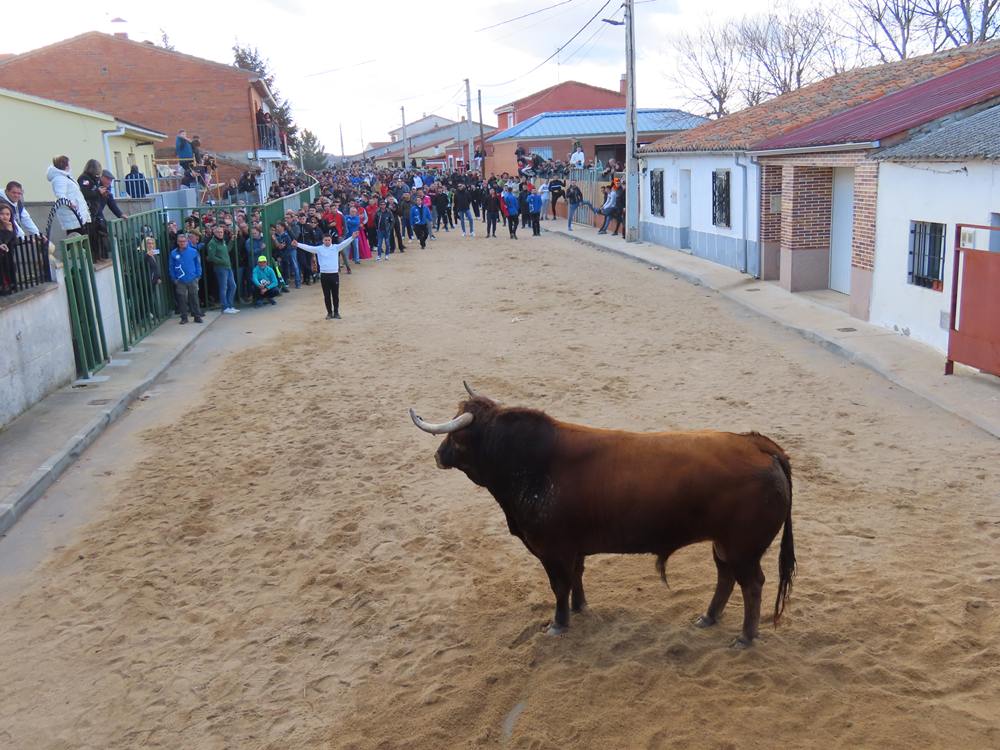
<point x="90" y="346"/>
<point x="145" y="294"/>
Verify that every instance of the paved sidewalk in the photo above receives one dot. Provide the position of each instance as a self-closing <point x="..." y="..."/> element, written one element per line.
<point x="42" y="443"/>
<point x="908" y="363"/>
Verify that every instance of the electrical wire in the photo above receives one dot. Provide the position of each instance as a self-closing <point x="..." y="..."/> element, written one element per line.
<point x="591" y="38"/>
<point x="553" y="55"/>
<point x="518" y="18"/>
<point x="337" y="70"/>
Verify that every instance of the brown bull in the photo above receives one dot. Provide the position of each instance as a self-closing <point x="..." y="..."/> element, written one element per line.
<point x="570" y="491"/>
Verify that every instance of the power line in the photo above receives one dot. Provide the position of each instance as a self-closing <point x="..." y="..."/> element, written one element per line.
<point x="337" y="70"/>
<point x="558" y="50"/>
<point x="518" y="18"/>
<point x="591" y="38"/>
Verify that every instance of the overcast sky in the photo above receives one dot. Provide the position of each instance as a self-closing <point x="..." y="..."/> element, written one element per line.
<point x="356" y="63"/>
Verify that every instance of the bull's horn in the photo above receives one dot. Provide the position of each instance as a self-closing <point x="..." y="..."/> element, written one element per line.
<point x="468" y="388"/>
<point x="462" y="420"/>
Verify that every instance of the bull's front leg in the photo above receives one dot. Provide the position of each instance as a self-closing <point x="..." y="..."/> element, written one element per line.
<point x="578" y="600"/>
<point x="560" y="578"/>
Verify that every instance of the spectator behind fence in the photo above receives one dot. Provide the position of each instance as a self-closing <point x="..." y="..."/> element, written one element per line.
<point x="13" y="196"/>
<point x="185" y="270"/>
<point x="8" y="274"/>
<point x="74" y="218"/>
<point x="135" y="183"/>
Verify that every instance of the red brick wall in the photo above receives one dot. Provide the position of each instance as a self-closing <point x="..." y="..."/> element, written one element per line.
<point x="567" y="96"/>
<point x="143" y="84"/>
<point x="770" y="186"/>
<point x="865" y="198"/>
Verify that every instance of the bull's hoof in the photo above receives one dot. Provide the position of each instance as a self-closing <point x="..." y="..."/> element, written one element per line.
<point x="704" y="621"/>
<point x="555" y="629"/>
<point x="742" y="643"/>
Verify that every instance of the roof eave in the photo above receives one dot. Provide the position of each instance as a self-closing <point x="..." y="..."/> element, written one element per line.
<point x="829" y="147"/>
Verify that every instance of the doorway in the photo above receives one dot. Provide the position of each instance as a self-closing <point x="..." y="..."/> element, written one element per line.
<point x="841" y="230"/>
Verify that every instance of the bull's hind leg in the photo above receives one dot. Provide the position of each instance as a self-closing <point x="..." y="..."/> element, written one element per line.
<point x="560" y="578"/>
<point x="723" y="589"/>
<point x="578" y="600"/>
<point x="751" y="580"/>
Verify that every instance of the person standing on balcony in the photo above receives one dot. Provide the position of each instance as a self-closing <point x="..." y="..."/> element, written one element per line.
<point x="135" y="183"/>
<point x="8" y="271"/>
<point x="13" y="196"/>
<point x="578" y="158"/>
<point x="185" y="270"/>
<point x="184" y="150"/>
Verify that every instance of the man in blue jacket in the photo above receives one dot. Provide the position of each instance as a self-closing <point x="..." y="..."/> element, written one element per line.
<point x="510" y="200"/>
<point x="420" y="218"/>
<point x="535" y="210"/>
<point x="185" y="270"/>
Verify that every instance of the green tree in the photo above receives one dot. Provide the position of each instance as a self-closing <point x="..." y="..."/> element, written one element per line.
<point x="313" y="153"/>
<point x="249" y="58"/>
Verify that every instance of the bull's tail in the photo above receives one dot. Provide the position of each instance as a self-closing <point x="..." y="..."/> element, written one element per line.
<point x="661" y="568"/>
<point x="786" y="555"/>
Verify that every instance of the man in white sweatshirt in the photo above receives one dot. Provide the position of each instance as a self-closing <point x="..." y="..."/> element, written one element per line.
<point x="328" y="255"/>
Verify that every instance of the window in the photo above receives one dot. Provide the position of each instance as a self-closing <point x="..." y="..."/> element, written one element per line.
<point x="720" y="197"/>
<point x="656" y="192"/>
<point x="926" y="264"/>
<point x="543" y="151"/>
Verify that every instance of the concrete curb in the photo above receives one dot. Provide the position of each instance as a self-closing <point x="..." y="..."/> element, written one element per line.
<point x="827" y="342"/>
<point x="16" y="503"/>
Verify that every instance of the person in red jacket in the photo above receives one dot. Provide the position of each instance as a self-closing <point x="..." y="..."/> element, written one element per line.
<point x="370" y="230"/>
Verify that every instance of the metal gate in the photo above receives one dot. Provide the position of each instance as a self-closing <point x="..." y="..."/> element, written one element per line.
<point x="90" y="346"/>
<point x="974" y="330"/>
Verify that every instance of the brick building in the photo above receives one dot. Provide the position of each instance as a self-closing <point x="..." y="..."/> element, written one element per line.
<point x="787" y="190"/>
<point x="166" y="90"/>
<point x="569" y="95"/>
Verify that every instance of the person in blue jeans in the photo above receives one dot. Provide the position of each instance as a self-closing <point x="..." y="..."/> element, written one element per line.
<point x="283" y="250"/>
<point x="217" y="254"/>
<point x="608" y="209"/>
<point x="574" y="199"/>
<point x="463" y="203"/>
<point x="384" y="220"/>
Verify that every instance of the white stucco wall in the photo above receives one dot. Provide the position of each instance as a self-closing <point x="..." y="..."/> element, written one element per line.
<point x="716" y="243"/>
<point x="945" y="193"/>
<point x="36" y="350"/>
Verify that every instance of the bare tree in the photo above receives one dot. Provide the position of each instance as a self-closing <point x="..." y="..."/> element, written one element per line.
<point x="960" y="22"/>
<point x="787" y="44"/>
<point x="892" y="29"/>
<point x="708" y="67"/>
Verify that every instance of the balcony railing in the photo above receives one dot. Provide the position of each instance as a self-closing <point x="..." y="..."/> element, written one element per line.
<point x="25" y="264"/>
<point x="269" y="137"/>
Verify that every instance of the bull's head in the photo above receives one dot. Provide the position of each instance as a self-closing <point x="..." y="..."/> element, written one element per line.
<point x="464" y="435"/>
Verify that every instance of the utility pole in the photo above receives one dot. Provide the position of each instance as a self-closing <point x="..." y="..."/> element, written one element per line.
<point x="342" y="154"/>
<point x="406" y="145"/>
<point x="631" y="135"/>
<point x="482" y="138"/>
<point x="364" y="151"/>
<point x="468" y="126"/>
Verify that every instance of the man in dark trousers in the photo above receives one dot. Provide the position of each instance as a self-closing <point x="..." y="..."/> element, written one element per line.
<point x="328" y="255"/>
<point x="420" y="218"/>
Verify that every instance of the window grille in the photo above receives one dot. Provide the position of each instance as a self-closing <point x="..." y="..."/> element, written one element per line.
<point x="926" y="262"/>
<point x="656" y="192"/>
<point x="720" y="198"/>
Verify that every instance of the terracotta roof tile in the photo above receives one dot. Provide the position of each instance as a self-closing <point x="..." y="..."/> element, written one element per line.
<point x="741" y="130"/>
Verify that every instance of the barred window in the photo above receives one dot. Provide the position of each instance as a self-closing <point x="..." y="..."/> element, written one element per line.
<point x="656" y="192"/>
<point x="926" y="263"/>
<point x="720" y="197"/>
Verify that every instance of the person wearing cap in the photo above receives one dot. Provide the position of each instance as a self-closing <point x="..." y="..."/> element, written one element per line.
<point x="328" y="256"/>
<point x="265" y="283"/>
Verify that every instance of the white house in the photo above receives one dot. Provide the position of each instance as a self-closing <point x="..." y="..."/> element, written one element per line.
<point x="926" y="186"/>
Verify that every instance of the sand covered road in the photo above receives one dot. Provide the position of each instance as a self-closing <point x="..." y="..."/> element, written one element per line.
<point x="280" y="565"/>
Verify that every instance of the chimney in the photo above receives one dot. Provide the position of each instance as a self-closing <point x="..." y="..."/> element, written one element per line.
<point x="622" y="85"/>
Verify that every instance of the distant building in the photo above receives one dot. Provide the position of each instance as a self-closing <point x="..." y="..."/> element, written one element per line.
<point x="566" y="96"/>
<point x="601" y="132"/>
<point x="46" y="129"/>
<point x="142" y="82"/>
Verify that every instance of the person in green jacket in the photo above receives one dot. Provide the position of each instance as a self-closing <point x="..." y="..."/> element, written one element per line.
<point x="265" y="283"/>
<point x="217" y="254"/>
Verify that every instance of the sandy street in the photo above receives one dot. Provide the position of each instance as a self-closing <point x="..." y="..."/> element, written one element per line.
<point x="275" y="561"/>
